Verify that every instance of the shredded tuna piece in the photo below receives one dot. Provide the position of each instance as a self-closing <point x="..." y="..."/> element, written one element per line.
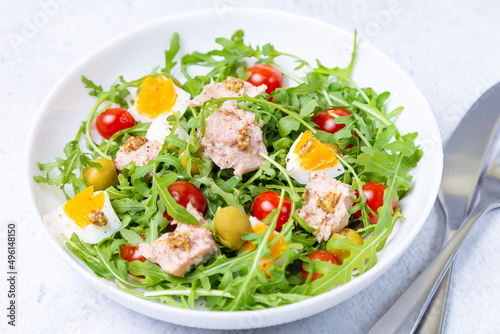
<point x="226" y="136"/>
<point x="231" y="87"/>
<point x="184" y="249"/>
<point x="148" y="151"/>
<point x="327" y="203"/>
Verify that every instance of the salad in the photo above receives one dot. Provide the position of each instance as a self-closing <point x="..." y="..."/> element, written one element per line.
<point x="227" y="187"/>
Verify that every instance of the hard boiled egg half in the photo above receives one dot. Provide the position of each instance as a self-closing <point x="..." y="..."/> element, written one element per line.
<point x="161" y="128"/>
<point x="307" y="155"/>
<point x="88" y="214"/>
<point x="159" y="96"/>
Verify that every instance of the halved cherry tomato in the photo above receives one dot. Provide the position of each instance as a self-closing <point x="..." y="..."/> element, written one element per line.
<point x="326" y="122"/>
<point x="265" y="74"/>
<point x="374" y="193"/>
<point x="321" y="255"/>
<point x="131" y="253"/>
<point x="185" y="192"/>
<point x="113" y="120"/>
<point x="267" y="202"/>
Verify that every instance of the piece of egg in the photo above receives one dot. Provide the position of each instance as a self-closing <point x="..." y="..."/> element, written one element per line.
<point x="275" y="258"/>
<point x="161" y="128"/>
<point x="307" y="155"/>
<point x="74" y="217"/>
<point x="159" y="96"/>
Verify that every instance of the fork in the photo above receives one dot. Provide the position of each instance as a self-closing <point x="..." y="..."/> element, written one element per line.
<point x="405" y="314"/>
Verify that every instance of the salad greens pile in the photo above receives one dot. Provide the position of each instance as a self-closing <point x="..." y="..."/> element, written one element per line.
<point x="372" y="150"/>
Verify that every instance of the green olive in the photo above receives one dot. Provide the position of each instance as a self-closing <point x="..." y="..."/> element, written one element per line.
<point x="231" y="224"/>
<point x="101" y="178"/>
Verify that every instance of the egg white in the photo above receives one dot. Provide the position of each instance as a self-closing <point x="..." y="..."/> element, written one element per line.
<point x="301" y="175"/>
<point x="161" y="128"/>
<point x="181" y="104"/>
<point x="59" y="223"/>
<point x="253" y="221"/>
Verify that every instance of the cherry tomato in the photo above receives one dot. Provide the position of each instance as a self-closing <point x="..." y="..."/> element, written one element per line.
<point x="374" y="193"/>
<point x="321" y="255"/>
<point x="185" y="192"/>
<point x="264" y="74"/>
<point x="131" y="253"/>
<point x="326" y="122"/>
<point x="113" y="120"/>
<point x="267" y="202"/>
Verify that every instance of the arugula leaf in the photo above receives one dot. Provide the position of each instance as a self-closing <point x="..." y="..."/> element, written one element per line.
<point x="95" y="90"/>
<point x="131" y="237"/>
<point x="287" y="124"/>
<point x="309" y="106"/>
<point x="171" y="53"/>
<point x="361" y="258"/>
<point x="75" y="160"/>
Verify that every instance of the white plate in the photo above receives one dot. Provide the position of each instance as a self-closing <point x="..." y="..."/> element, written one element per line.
<point x="135" y="53"/>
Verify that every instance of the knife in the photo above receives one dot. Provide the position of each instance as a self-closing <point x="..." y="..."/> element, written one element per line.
<point x="464" y="157"/>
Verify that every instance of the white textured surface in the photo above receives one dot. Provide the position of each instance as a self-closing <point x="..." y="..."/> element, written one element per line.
<point x="449" y="48"/>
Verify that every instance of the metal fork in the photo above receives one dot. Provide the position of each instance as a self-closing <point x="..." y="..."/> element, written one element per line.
<point x="411" y="306"/>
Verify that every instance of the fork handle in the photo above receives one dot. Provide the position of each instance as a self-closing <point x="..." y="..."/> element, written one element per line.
<point x="432" y="321"/>
<point x="405" y="314"/>
<point x="433" y="318"/>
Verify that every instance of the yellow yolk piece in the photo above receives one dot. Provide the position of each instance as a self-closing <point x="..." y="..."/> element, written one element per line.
<point x="276" y="250"/>
<point x="79" y="207"/>
<point x="156" y="97"/>
<point x="313" y="155"/>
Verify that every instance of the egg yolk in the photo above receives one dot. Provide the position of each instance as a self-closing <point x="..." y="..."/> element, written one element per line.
<point x="79" y="207"/>
<point x="313" y="155"/>
<point x="276" y="250"/>
<point x="156" y="97"/>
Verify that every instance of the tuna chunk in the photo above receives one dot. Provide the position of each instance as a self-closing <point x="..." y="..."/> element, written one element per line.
<point x="327" y="202"/>
<point x="231" y="87"/>
<point x="233" y="139"/>
<point x="140" y="155"/>
<point x="184" y="249"/>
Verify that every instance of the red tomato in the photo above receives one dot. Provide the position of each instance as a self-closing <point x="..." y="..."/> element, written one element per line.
<point x="113" y="120"/>
<point x="185" y="192"/>
<point x="326" y="122"/>
<point x="264" y="74"/>
<point x="267" y="202"/>
<point x="131" y="253"/>
<point x="321" y="255"/>
<point x="374" y="193"/>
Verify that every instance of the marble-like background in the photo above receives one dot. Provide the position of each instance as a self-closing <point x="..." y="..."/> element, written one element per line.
<point x="451" y="49"/>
